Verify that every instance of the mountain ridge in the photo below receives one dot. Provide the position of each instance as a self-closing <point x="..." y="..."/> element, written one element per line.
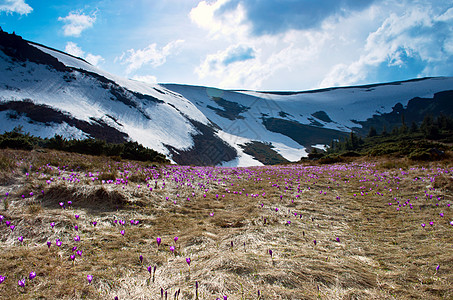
<point x="189" y="124"/>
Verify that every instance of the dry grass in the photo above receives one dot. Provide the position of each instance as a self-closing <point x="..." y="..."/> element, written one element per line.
<point x="382" y="254"/>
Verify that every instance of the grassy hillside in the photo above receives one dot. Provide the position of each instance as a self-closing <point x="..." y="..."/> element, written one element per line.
<point x="360" y="230"/>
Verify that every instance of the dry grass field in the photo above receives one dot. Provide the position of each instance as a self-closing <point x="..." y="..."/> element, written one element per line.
<point x="342" y="231"/>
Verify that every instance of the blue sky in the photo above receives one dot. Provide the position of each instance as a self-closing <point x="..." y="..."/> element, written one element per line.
<point x="246" y="44"/>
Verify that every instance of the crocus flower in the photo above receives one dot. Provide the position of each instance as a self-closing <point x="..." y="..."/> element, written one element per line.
<point x="122" y="232"/>
<point x="314" y="242"/>
<point x="172" y="249"/>
<point x="188" y="261"/>
<point x="437" y="268"/>
<point x="74" y="248"/>
<point x="58" y="243"/>
<point x="175" y="239"/>
<point x="79" y="253"/>
<point x="49" y="243"/>
<point x="7" y="223"/>
<point x="338" y="239"/>
<point x="31" y="275"/>
<point x="94" y="223"/>
<point x="72" y="257"/>
<point x="21" y="282"/>
<point x="270" y="252"/>
<point x="158" y="240"/>
<point x="77" y="238"/>
<point x="150" y="270"/>
<point x="76" y="228"/>
<point x="89" y="278"/>
<point x="2" y="278"/>
<point x="423" y="225"/>
<point x="12" y="227"/>
<point x="140" y="258"/>
<point x="52" y="224"/>
<point x="77" y="217"/>
<point x="21" y="239"/>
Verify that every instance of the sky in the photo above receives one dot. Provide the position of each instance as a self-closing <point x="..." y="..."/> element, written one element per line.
<point x="290" y="45"/>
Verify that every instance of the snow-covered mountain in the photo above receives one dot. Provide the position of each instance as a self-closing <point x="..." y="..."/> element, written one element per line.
<point x="49" y="92"/>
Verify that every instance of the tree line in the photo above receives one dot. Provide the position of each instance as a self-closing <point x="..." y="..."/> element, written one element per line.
<point x="17" y="139"/>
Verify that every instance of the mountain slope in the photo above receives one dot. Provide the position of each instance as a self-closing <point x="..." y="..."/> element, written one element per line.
<point x="50" y="92"/>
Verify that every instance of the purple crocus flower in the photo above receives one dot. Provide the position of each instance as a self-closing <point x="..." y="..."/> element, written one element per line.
<point x="21" y="282"/>
<point x="79" y="253"/>
<point x="158" y="240"/>
<point x="338" y="239"/>
<point x="150" y="269"/>
<point x="188" y="261"/>
<point x="58" y="243"/>
<point x="172" y="249"/>
<point x="437" y="268"/>
<point x="423" y="225"/>
<point x="77" y="217"/>
<point x="2" y="278"/>
<point x="31" y="275"/>
<point x="175" y="239"/>
<point x="141" y="258"/>
<point x="7" y="223"/>
<point x="52" y="224"/>
<point x="76" y="228"/>
<point x="49" y="243"/>
<point x="21" y="239"/>
<point x="77" y="238"/>
<point x="122" y="232"/>
<point x="12" y="227"/>
<point x="94" y="223"/>
<point x="74" y="248"/>
<point x="89" y="278"/>
<point x="314" y="242"/>
<point x="72" y="257"/>
<point x="270" y="252"/>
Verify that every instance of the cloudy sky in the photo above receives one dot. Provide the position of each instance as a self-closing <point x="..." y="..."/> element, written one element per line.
<point x="246" y="44"/>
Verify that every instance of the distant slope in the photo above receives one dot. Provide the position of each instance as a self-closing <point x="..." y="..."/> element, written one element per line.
<point x="50" y="92"/>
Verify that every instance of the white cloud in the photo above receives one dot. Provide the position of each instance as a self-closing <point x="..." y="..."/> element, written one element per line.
<point x="146" y="78"/>
<point x="151" y="55"/>
<point x="94" y="59"/>
<point x="73" y="49"/>
<point x="250" y="73"/>
<point x="15" y="6"/>
<point x="417" y="33"/>
<point x="76" y="23"/>
<point x="352" y="47"/>
<point x="229" y="24"/>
